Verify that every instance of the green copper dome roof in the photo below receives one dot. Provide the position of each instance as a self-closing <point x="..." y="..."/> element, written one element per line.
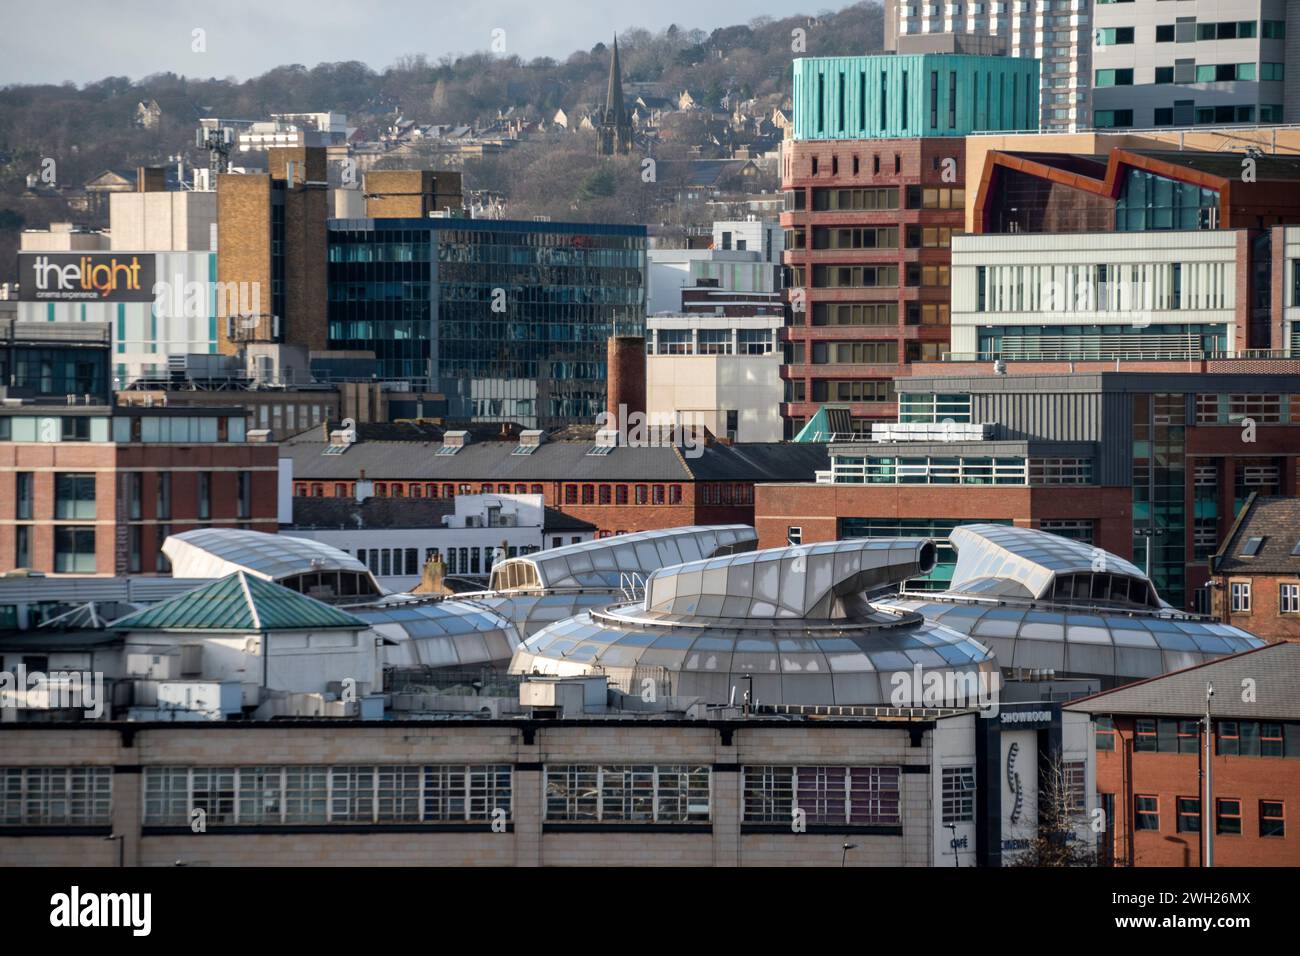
<point x="239" y="602"/>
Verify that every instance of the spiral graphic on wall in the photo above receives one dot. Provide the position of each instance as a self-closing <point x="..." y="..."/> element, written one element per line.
<point x="1013" y="782"/>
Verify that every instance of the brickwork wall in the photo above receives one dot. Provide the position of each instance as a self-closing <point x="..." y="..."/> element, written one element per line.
<point x="1127" y="774"/>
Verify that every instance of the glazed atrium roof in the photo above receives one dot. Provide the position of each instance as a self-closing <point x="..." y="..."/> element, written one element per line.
<point x="792" y="621"/>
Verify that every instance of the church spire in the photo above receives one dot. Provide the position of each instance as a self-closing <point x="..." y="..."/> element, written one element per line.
<point x="615" y="124"/>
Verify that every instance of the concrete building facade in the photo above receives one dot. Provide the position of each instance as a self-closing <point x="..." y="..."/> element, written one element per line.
<point x="716" y="372"/>
<point x="570" y="792"/>
<point x="1201" y="62"/>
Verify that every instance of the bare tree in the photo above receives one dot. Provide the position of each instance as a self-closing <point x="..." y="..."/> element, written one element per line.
<point x="1062" y="813"/>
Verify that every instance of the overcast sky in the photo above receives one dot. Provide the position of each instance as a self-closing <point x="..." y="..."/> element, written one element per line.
<point x="85" y="40"/>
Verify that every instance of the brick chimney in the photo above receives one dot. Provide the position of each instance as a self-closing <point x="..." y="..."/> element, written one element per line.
<point x="625" y="376"/>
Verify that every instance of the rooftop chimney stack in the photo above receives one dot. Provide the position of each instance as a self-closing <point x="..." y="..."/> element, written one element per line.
<point x="625" y="377"/>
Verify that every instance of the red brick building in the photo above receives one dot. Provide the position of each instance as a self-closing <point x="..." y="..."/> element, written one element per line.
<point x="868" y="229"/>
<point x="1151" y="758"/>
<point x="813" y="512"/>
<point x="616" y="489"/>
<point x="97" y="489"/>
<point x="1129" y="462"/>
<point x="1255" y="576"/>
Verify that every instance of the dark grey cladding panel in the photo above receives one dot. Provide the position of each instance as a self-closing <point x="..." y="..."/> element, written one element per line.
<point x="1041" y="416"/>
<point x="1115" y="465"/>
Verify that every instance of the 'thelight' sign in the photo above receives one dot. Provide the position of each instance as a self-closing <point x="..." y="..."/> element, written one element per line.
<point x="94" y="277"/>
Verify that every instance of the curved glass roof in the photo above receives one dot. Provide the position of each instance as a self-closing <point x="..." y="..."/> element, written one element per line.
<point x="217" y="552"/>
<point x="613" y="562"/>
<point x="1026" y="562"/>
<point x="782" y="617"/>
<point x="530" y="611"/>
<point x="452" y="634"/>
<point x="1082" y="641"/>
<point x="790" y="666"/>
<point x="806" y="581"/>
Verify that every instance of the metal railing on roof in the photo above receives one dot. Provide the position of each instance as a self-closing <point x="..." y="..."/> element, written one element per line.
<point x="859" y="712"/>
<point x="1226" y="130"/>
<point x="1048" y="604"/>
<point x="1119" y="355"/>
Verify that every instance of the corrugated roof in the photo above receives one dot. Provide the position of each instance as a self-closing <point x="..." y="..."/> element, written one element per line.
<point x="1273" y="673"/>
<point x="1274" y="520"/>
<point x="239" y="602"/>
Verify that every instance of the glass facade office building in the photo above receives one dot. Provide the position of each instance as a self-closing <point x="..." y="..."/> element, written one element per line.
<point x="508" y="319"/>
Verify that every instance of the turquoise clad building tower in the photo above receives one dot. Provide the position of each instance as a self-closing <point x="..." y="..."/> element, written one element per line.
<point x="930" y="94"/>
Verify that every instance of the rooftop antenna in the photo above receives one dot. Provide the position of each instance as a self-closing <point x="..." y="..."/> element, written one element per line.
<point x="217" y="141"/>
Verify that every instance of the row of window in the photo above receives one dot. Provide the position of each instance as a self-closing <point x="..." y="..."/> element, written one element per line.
<point x="132" y="484"/>
<point x="1187" y="113"/>
<point x="711" y="342"/>
<point x="1123" y="289"/>
<point x="1262" y="409"/>
<point x="881" y="198"/>
<point x="1227" y="815"/>
<point x="572" y="494"/>
<point x="1196" y="73"/>
<point x="437" y="793"/>
<point x="618" y="494"/>
<point x="1244" y="738"/>
<point x="1288" y="598"/>
<point x="881" y="237"/>
<point x="929" y="470"/>
<point x="1188" y="30"/>
<point x="406" y="561"/>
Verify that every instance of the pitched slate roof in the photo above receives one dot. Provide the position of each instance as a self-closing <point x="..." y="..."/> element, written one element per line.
<point x="418" y="460"/>
<point x="557" y="520"/>
<point x="352" y="515"/>
<point x="1274" y="670"/>
<point x="239" y="602"/>
<point x="1277" y="522"/>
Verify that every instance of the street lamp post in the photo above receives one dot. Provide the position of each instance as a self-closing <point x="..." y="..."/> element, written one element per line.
<point x="1207" y="811"/>
<point x="1149" y="534"/>
<point x="120" y="838"/>
<point x="845" y="854"/>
